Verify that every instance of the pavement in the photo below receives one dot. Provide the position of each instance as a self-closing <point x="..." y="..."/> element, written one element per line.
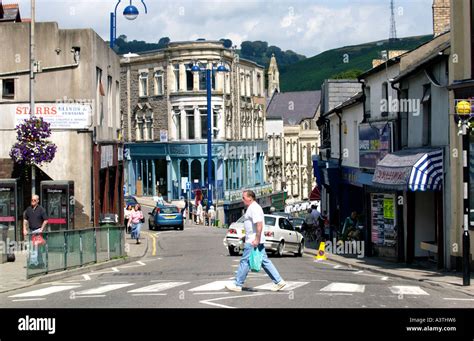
<point x="448" y="279"/>
<point x="13" y="274"/>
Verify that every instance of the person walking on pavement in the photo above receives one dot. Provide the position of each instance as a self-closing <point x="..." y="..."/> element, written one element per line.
<point x="254" y="237"/>
<point x="35" y="219"/>
<point x="127" y="212"/>
<point x="160" y="201"/>
<point x="135" y="221"/>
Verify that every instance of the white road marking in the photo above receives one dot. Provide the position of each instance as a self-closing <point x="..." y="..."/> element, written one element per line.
<point x="29" y="299"/>
<point x="211" y="293"/>
<point x="459" y="299"/>
<point x="288" y="287"/>
<point x="407" y="290"/>
<point x="358" y="272"/>
<point x="149" y="294"/>
<point x="211" y="301"/>
<point x="337" y="266"/>
<point x="104" y="289"/>
<point x="46" y="291"/>
<point x="158" y="287"/>
<point x="86" y="277"/>
<point x="384" y="278"/>
<point x="88" y="296"/>
<point x="213" y="286"/>
<point x="344" y="287"/>
<point x="139" y="263"/>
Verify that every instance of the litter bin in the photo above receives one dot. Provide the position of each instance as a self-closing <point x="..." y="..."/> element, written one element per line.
<point x="5" y="246"/>
<point x="105" y="221"/>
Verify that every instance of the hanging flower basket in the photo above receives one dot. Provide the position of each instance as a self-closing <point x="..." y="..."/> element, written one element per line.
<point x="32" y="147"/>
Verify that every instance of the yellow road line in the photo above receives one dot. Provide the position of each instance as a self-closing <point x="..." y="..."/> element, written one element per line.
<point x="153" y="252"/>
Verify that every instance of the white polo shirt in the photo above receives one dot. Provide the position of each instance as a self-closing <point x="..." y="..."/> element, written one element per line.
<point x="252" y="216"/>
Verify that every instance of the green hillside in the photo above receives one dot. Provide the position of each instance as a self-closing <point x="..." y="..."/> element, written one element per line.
<point x="310" y="73"/>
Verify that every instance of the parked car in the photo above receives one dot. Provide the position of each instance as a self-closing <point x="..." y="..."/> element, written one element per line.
<point x="280" y="236"/>
<point x="166" y="216"/>
<point x="235" y="236"/>
<point x="130" y="200"/>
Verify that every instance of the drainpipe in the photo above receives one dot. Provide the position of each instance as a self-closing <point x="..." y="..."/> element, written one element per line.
<point x="400" y="208"/>
<point x="339" y="197"/>
<point x="362" y="82"/>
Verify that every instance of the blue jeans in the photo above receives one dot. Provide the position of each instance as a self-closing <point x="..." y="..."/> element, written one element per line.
<point x="244" y="267"/>
<point x="136" y="230"/>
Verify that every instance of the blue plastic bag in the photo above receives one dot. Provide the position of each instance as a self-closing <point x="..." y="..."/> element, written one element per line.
<point x="256" y="259"/>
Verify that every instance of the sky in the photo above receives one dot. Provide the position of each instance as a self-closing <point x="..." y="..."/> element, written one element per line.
<point x="307" y="27"/>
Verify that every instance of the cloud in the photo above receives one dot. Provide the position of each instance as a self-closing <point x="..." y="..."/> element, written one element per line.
<point x="305" y="26"/>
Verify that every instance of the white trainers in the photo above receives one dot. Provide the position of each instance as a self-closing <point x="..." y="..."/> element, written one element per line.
<point x="280" y="285"/>
<point x="233" y="287"/>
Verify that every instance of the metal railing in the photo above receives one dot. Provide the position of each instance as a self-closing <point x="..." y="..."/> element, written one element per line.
<point x="67" y="249"/>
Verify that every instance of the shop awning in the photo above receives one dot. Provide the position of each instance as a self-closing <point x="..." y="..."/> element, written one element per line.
<point x="315" y="194"/>
<point x="412" y="169"/>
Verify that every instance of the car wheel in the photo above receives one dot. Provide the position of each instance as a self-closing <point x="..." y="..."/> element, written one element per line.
<point x="300" y="249"/>
<point x="150" y="226"/>
<point x="232" y="251"/>
<point x="280" y="249"/>
<point x="181" y="228"/>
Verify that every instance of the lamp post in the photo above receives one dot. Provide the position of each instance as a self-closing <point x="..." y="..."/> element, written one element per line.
<point x="220" y="68"/>
<point x="130" y="13"/>
<point x="464" y="112"/>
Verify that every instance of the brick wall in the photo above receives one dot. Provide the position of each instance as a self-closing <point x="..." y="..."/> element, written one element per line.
<point x="441" y="16"/>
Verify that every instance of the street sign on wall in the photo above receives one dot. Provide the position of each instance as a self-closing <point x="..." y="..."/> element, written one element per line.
<point x="59" y="115"/>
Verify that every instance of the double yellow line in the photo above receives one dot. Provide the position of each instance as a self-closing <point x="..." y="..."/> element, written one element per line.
<point x="153" y="252"/>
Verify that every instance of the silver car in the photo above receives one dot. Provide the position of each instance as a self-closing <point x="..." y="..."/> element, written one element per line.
<point x="280" y="236"/>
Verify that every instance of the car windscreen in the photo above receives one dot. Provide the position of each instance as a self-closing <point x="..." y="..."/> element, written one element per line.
<point x="169" y="210"/>
<point x="270" y="221"/>
<point x="241" y="219"/>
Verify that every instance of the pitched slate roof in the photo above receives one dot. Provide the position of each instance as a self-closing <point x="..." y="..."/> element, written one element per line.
<point x="293" y="107"/>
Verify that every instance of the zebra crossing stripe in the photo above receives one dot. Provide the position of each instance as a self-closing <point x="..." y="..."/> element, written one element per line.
<point x="288" y="287"/>
<point x="158" y="287"/>
<point x="46" y="291"/>
<point x="213" y="286"/>
<point x="344" y="287"/>
<point x="104" y="289"/>
<point x="407" y="290"/>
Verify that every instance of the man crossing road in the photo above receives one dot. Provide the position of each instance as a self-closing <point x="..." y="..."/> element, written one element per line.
<point x="253" y="223"/>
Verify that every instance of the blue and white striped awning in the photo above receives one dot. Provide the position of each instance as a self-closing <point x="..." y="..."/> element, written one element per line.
<point x="412" y="169"/>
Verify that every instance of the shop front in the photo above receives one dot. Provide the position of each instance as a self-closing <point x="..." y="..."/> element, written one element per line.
<point x="406" y="206"/>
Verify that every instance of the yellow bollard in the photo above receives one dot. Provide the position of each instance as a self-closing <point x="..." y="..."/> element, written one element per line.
<point x="321" y="252"/>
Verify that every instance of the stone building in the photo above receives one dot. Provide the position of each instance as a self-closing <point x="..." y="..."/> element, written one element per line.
<point x="164" y="109"/>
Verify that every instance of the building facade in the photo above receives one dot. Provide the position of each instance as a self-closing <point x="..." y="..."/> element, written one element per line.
<point x="461" y="87"/>
<point x="77" y="90"/>
<point x="165" y="124"/>
<point x="293" y="138"/>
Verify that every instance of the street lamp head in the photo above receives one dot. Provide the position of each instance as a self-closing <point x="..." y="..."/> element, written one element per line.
<point x="195" y="68"/>
<point x="222" y="68"/>
<point x="130" y="12"/>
